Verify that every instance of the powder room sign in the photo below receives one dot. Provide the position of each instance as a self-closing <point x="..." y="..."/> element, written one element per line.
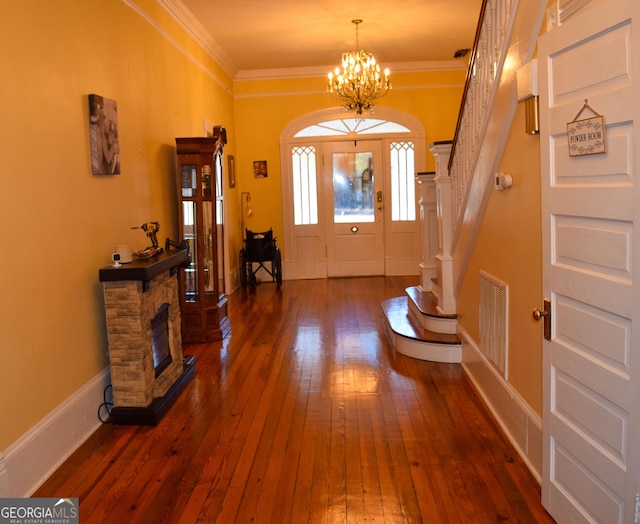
<point x="587" y="136"/>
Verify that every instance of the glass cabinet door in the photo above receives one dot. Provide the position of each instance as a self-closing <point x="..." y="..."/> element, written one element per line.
<point x="219" y="224"/>
<point x="208" y="260"/>
<point x="206" y="180"/>
<point x="190" y="235"/>
<point x="199" y="203"/>
<point x="189" y="180"/>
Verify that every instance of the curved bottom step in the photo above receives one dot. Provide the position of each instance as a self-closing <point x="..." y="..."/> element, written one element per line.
<point x="415" y="342"/>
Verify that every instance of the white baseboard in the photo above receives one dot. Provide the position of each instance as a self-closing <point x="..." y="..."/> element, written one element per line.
<point x="38" y="453"/>
<point x="521" y="424"/>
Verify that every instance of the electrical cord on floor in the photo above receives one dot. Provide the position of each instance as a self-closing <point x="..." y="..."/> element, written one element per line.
<point x="106" y="405"/>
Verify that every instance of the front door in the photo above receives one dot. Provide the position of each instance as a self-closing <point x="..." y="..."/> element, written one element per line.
<point x="589" y="67"/>
<point x="354" y="207"/>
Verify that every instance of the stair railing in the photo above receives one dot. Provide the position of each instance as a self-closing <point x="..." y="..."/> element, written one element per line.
<point x="484" y="68"/>
<point x="506" y="34"/>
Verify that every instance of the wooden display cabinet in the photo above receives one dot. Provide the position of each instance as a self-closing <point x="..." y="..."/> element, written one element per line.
<point x="200" y="224"/>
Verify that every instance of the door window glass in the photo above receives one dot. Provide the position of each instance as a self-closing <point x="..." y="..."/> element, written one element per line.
<point x="353" y="187"/>
<point x="403" y="189"/>
<point x="305" y="196"/>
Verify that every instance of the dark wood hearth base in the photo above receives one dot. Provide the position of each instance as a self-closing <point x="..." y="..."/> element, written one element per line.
<point x="153" y="413"/>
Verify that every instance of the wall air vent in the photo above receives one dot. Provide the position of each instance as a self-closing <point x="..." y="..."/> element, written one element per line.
<point x="493" y="321"/>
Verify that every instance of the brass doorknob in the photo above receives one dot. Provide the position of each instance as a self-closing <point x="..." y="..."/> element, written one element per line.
<point x="537" y="314"/>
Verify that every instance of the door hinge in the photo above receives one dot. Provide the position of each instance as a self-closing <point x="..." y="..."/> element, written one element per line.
<point x="636" y="514"/>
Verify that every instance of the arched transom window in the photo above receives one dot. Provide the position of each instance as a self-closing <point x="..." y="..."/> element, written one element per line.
<point x="348" y="126"/>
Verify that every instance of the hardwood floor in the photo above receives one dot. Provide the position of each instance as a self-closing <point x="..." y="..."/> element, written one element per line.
<point x="305" y="414"/>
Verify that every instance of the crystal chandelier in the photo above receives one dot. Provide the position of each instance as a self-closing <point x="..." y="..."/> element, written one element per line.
<point x="360" y="82"/>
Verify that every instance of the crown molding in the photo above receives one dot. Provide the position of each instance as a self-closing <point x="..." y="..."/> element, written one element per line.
<point x="183" y="16"/>
<point x="322" y="71"/>
<point x="190" y="23"/>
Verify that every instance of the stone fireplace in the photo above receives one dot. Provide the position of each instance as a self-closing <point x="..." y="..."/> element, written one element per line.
<point x="148" y="370"/>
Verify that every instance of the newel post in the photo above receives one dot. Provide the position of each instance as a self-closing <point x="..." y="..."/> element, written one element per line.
<point x="444" y="205"/>
<point x="428" y="230"/>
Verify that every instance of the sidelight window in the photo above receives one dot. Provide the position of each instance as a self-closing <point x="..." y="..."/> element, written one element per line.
<point x="305" y="195"/>
<point x="403" y="189"/>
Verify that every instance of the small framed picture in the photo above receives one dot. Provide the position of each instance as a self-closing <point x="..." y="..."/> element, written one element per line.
<point x="231" y="167"/>
<point x="260" y="169"/>
<point x="103" y="128"/>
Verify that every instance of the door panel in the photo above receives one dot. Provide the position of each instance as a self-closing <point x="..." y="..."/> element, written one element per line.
<point x="590" y="463"/>
<point x="355" y="238"/>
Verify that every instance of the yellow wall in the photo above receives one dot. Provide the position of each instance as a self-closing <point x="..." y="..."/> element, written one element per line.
<point x="58" y="222"/>
<point x="508" y="247"/>
<point x="264" y="107"/>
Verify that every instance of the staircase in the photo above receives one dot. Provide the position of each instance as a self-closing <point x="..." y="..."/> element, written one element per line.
<point x="417" y="329"/>
<point x="423" y="323"/>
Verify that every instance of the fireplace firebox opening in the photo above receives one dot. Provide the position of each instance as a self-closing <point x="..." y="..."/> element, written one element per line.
<point x="160" y="339"/>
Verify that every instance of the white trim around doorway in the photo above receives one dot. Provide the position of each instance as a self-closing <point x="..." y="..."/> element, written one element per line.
<point x="309" y="241"/>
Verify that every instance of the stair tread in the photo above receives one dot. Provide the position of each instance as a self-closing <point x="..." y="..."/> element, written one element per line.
<point x="426" y="302"/>
<point x="398" y="316"/>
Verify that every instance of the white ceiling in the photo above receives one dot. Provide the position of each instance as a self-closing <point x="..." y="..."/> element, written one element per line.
<point x="281" y="34"/>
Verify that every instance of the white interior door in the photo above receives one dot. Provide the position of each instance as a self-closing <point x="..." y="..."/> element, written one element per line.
<point x="590" y="257"/>
<point x="354" y="208"/>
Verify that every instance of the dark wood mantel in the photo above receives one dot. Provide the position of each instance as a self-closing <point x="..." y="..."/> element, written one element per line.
<point x="144" y="269"/>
